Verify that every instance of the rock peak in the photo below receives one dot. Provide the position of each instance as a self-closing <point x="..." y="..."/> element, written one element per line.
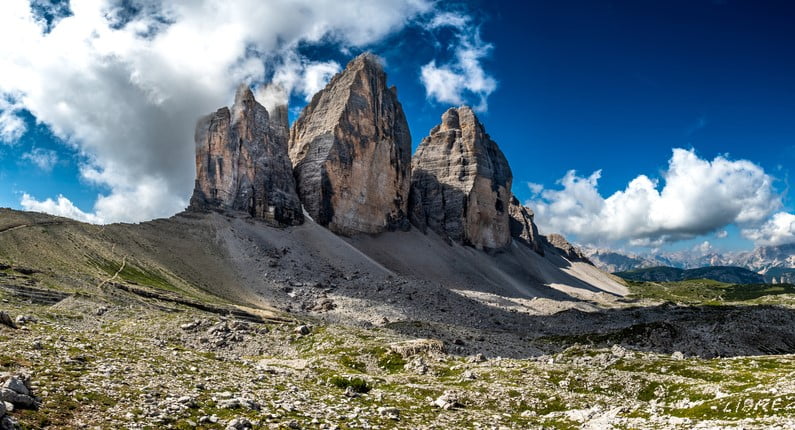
<point x="242" y="163"/>
<point x="461" y="182"/>
<point x="367" y="59"/>
<point x="351" y="149"/>
<point x="243" y="94"/>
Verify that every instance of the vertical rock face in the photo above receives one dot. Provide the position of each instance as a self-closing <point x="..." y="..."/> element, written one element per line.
<point x="461" y="182"/>
<point x="242" y="162"/>
<point x="522" y="227"/>
<point x="351" y="149"/>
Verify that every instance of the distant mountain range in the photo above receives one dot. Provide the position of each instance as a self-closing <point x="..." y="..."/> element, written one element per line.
<point x="729" y="274"/>
<point x="775" y="263"/>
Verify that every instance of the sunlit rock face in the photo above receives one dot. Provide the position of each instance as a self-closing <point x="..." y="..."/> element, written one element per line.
<point x="461" y="182"/>
<point x="351" y="149"/>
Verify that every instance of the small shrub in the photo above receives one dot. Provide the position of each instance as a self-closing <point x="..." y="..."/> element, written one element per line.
<point x="358" y="385"/>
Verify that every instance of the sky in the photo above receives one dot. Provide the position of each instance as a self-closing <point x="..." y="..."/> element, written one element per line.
<point x="635" y="125"/>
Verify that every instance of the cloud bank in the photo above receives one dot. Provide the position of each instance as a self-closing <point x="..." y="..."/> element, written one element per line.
<point x="778" y="230"/>
<point x="696" y="197"/>
<point x="123" y="82"/>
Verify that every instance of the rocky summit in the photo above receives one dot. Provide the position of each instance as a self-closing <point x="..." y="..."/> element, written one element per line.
<point x="461" y="183"/>
<point x="351" y="149"/>
<point x="242" y="162"/>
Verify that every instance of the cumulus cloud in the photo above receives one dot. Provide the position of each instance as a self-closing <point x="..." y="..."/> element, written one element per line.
<point x="463" y="77"/>
<point x="124" y="82"/>
<point x="778" y="230"/>
<point x="696" y="197"/>
<point x="44" y="159"/>
<point x="703" y="248"/>
<point x="61" y="207"/>
<point x="296" y="75"/>
<point x="12" y="127"/>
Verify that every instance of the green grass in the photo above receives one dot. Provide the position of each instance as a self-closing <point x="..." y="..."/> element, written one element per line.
<point x="705" y="291"/>
<point x="134" y="274"/>
<point x="350" y="363"/>
<point x="358" y="385"/>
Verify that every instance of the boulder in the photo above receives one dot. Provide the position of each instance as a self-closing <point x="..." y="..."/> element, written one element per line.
<point x="242" y="162"/>
<point x="351" y="149"/>
<point x="461" y="182"/>
<point x="523" y="229"/>
<point x="5" y="319"/>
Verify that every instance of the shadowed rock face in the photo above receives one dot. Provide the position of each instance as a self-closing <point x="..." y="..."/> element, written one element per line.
<point x="562" y="246"/>
<point x="351" y="149"/>
<point x="461" y="182"/>
<point x="523" y="228"/>
<point x="242" y="162"/>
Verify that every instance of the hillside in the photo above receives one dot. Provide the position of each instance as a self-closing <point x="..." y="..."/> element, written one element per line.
<point x="736" y="275"/>
<point x="213" y="257"/>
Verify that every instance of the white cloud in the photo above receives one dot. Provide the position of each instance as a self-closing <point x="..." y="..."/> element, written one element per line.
<point x="722" y="234"/>
<point x="44" y="159"/>
<point x="12" y="127"/>
<point x="703" y="247"/>
<point x="125" y="89"/>
<point x="296" y="75"/>
<point x="698" y="196"/>
<point x="535" y="188"/>
<point x="778" y="230"/>
<point x="462" y="78"/>
<point x="62" y="207"/>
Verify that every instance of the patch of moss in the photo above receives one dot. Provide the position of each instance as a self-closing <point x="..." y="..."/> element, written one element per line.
<point x="358" y="385"/>
<point x="350" y="363"/>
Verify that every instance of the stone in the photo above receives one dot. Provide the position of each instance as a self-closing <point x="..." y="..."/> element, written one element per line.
<point x="302" y="330"/>
<point x="239" y="424"/>
<point x="24" y="319"/>
<point x="447" y="401"/>
<point x="229" y="404"/>
<point x="351" y="148"/>
<point x="6" y="320"/>
<point x="16" y="384"/>
<point x="522" y="227"/>
<point x="20" y="401"/>
<point x="242" y="163"/>
<point x="389" y="412"/>
<point x="2" y="409"/>
<point x="461" y="182"/>
<point x="6" y="423"/>
<point x="563" y="247"/>
<point x="477" y="358"/>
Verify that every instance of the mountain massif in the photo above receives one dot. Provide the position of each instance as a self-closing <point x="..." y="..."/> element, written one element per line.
<point x="728" y="274"/>
<point x="352" y="169"/>
<point x="776" y="264"/>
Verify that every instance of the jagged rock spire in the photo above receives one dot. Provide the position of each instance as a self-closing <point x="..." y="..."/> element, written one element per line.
<point x="242" y="162"/>
<point x="461" y="182"/>
<point x="351" y="149"/>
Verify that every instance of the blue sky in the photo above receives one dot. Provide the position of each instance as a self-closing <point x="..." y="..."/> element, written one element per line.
<point x="611" y="87"/>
